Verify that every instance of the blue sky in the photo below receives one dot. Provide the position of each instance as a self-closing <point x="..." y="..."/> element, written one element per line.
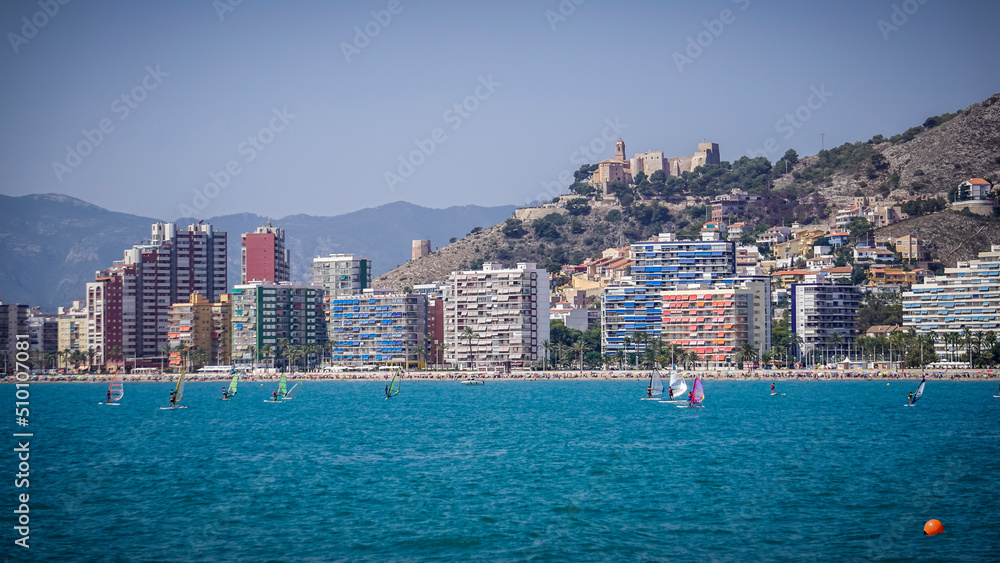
<point x="279" y="108"/>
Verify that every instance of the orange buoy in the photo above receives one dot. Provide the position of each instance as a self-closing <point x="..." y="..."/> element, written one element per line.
<point x="933" y="527"/>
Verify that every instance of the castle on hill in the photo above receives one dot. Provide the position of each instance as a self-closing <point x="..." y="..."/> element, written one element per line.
<point x="622" y="169"/>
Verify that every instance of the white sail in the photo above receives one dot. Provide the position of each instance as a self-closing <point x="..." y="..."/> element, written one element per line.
<point x="920" y="390"/>
<point x="656" y="384"/>
<point x="678" y="385"/>
<point x="292" y="392"/>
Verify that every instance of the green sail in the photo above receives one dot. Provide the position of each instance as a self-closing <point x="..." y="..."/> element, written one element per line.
<point x="282" y="388"/>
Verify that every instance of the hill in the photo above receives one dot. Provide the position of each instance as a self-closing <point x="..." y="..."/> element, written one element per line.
<point x="926" y="160"/>
<point x="51" y="244"/>
<point x="950" y="236"/>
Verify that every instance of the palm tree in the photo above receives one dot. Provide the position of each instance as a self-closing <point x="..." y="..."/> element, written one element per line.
<point x="468" y="334"/>
<point x="627" y="340"/>
<point x="968" y="339"/>
<point x="421" y="352"/>
<point x="578" y="348"/>
<point x="441" y="348"/>
<point x="547" y="345"/>
<point x="90" y="359"/>
<point x="268" y="352"/>
<point x="165" y="350"/>
<point x="795" y="341"/>
<point x="116" y="352"/>
<point x="746" y="353"/>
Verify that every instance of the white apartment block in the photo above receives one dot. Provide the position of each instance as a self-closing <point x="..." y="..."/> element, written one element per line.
<point x="506" y="310"/>
<point x="965" y="297"/>
<point x="820" y="310"/>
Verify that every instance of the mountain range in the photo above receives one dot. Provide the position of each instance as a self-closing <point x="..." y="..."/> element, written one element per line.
<point x="51" y="245"/>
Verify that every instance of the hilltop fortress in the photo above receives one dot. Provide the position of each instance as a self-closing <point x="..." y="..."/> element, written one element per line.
<point x="621" y="169"/>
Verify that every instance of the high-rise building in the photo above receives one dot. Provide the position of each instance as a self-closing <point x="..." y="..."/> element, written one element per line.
<point x="625" y="310"/>
<point x="965" y="297"/>
<point x="202" y="325"/>
<point x="128" y="304"/>
<point x="661" y="265"/>
<point x="715" y="320"/>
<point x="263" y="256"/>
<point x="821" y="310"/>
<point x="379" y="328"/>
<point x="435" y="320"/>
<point x="264" y="314"/>
<point x="13" y="323"/>
<point x="72" y="332"/>
<point x="496" y="317"/>
<point x="43" y="329"/>
<point x="668" y="261"/>
<point x="420" y="249"/>
<point x="341" y="275"/>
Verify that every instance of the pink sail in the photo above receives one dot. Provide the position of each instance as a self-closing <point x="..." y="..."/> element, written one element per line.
<point x="698" y="393"/>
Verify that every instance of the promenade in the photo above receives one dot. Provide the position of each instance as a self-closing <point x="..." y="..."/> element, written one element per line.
<point x="550" y="375"/>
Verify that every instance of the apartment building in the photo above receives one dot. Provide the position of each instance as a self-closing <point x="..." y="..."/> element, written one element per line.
<point x="965" y="297"/>
<point x="264" y="314"/>
<point x="821" y="310"/>
<point x="263" y="255"/>
<point x="200" y="324"/>
<point x="379" y="328"/>
<point x="496" y="316"/>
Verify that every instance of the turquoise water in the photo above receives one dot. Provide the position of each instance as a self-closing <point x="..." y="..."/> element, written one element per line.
<point x="551" y="471"/>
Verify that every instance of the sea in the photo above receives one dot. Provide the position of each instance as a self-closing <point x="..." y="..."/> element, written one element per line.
<point x="510" y="471"/>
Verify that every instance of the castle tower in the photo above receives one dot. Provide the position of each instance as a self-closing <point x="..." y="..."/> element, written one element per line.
<point x="620" y="151"/>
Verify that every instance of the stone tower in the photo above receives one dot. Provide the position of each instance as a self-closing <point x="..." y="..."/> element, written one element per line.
<point x="620" y="150"/>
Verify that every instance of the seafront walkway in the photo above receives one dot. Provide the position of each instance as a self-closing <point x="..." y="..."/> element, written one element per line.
<point x="548" y="375"/>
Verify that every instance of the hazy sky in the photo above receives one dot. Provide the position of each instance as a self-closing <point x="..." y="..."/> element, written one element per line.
<point x="313" y="106"/>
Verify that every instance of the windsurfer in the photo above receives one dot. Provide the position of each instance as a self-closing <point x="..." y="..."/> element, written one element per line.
<point x="173" y="397"/>
<point x="671" y="391"/>
<point x="772" y="388"/>
<point x="225" y="394"/>
<point x="386" y="391"/>
<point x="109" y="395"/>
<point x="649" y="391"/>
<point x="911" y="398"/>
<point x="274" y="396"/>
